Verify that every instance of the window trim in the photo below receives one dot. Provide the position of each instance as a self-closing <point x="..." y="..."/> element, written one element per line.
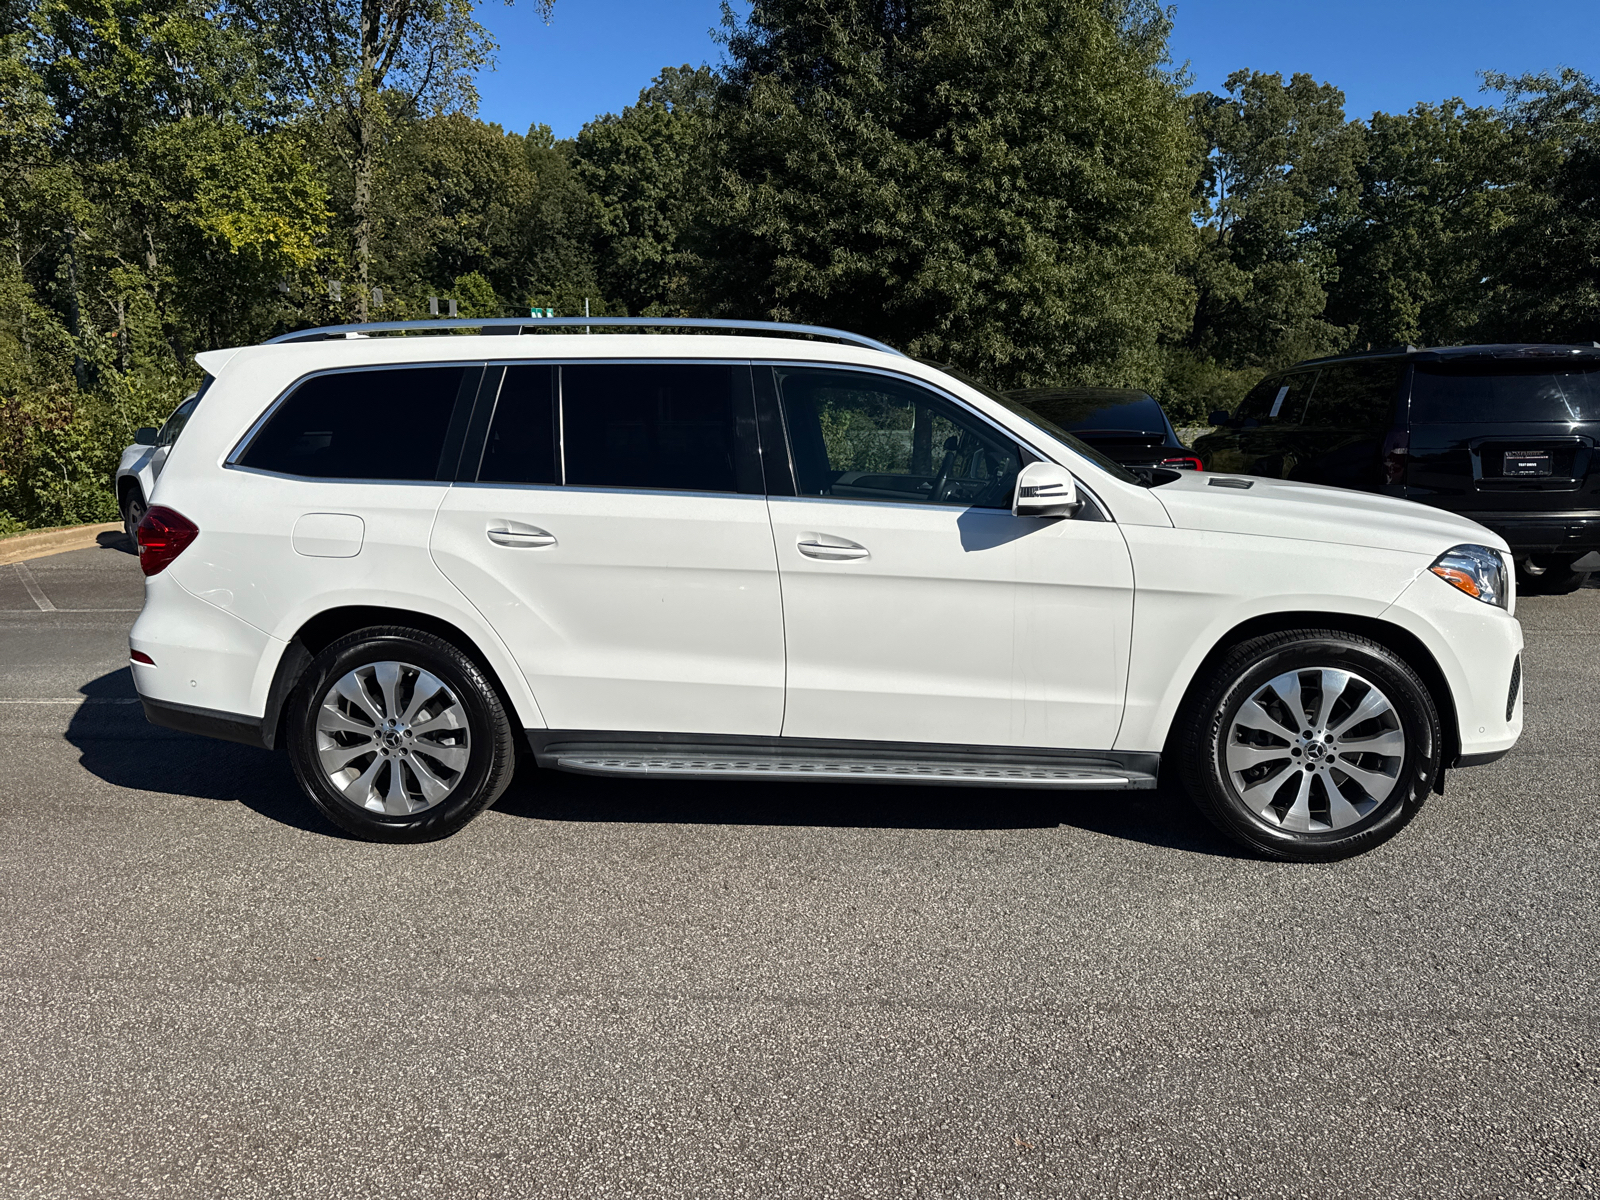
<point x="242" y="446"/>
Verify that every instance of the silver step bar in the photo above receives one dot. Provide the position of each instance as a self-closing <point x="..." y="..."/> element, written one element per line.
<point x="723" y="765"/>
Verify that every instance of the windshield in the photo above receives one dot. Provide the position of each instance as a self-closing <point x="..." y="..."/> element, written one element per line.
<point x="1109" y="465"/>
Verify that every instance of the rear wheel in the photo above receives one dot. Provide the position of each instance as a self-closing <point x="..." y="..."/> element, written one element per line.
<point x="1310" y="745"/>
<point x="1548" y="575"/>
<point x="397" y="736"/>
<point x="133" y="510"/>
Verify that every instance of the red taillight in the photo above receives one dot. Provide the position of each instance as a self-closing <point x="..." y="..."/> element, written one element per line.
<point x="139" y="656"/>
<point x="1185" y="463"/>
<point x="163" y="535"/>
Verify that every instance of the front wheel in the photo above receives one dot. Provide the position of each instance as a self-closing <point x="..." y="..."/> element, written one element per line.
<point x="1310" y="745"/>
<point x="397" y="736"/>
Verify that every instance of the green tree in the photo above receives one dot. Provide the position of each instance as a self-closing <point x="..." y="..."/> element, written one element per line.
<point x="1279" y="163"/>
<point x="363" y="64"/>
<point x="1002" y="185"/>
<point x="1544" y="276"/>
<point x="646" y="170"/>
<point x="1412" y="249"/>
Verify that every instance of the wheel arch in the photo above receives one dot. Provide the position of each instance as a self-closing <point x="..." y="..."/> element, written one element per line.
<point x="328" y="626"/>
<point x="1402" y="642"/>
<point x="126" y="486"/>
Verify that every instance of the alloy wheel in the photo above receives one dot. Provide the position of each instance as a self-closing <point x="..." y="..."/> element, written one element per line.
<point x="392" y="738"/>
<point x="1315" y="750"/>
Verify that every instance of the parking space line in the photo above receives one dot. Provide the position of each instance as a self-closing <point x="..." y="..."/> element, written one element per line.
<point x="32" y="584"/>
<point x="76" y="700"/>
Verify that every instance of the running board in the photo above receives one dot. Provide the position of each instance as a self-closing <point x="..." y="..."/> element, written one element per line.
<point x="729" y="764"/>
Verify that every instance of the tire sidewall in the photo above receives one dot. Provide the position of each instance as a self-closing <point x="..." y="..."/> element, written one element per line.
<point x="487" y="770"/>
<point x="132" y="513"/>
<point x="1418" y="720"/>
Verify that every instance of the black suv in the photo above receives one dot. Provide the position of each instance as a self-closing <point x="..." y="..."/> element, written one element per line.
<point x="1505" y="435"/>
<point x="1122" y="423"/>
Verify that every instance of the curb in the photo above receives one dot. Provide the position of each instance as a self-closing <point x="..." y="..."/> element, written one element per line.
<point x="42" y="542"/>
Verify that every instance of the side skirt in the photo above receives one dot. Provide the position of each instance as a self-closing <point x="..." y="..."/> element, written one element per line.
<point x="692" y="756"/>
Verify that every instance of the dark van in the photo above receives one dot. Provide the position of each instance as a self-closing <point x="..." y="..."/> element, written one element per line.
<point x="1505" y="435"/>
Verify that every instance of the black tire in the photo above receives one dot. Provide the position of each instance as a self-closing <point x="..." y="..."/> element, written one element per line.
<point x="1548" y="575"/>
<point x="133" y="510"/>
<point x="490" y="750"/>
<point x="1207" y="723"/>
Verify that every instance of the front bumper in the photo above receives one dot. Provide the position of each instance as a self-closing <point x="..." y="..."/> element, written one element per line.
<point x="1478" y="649"/>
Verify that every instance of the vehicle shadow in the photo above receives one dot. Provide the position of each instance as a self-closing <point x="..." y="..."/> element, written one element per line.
<point x="115" y="743"/>
<point x="116" y="541"/>
<point x="1163" y="817"/>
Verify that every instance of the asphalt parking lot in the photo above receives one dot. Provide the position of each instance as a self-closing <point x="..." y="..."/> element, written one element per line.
<point x="780" y="990"/>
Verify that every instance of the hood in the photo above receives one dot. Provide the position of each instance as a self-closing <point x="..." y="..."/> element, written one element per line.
<point x="1314" y="513"/>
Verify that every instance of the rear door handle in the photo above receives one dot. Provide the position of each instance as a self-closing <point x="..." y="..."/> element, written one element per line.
<point x="520" y="536"/>
<point x="829" y="548"/>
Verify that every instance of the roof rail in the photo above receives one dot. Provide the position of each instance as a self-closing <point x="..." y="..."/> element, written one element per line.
<point x="516" y="325"/>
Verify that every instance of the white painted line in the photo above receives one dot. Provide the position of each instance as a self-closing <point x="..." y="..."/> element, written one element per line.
<point x="32" y="584"/>
<point x="77" y="700"/>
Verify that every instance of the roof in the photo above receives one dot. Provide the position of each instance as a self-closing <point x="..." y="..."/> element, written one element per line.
<point x="1525" y="351"/>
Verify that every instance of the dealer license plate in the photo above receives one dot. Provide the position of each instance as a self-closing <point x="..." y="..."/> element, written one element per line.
<point x="1522" y="463"/>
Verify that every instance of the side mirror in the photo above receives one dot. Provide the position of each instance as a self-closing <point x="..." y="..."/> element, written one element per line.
<point x="1045" y="489"/>
<point x="145" y="435"/>
<point x="1218" y="417"/>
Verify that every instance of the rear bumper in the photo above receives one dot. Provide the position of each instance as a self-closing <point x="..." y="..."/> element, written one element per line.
<point x="207" y="722"/>
<point x="1544" y="533"/>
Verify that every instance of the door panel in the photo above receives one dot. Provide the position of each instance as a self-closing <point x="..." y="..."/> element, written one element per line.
<point x="961" y="626"/>
<point x="627" y="610"/>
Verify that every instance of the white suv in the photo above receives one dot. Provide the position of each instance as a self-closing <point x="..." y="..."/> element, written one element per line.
<point x="734" y="556"/>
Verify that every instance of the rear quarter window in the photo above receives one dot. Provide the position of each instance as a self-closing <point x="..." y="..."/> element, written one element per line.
<point x="388" y="423"/>
<point x="1478" y="393"/>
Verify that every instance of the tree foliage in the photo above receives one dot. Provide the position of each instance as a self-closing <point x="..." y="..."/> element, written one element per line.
<point x="1002" y="185"/>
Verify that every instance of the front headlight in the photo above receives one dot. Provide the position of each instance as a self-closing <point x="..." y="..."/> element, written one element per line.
<point x="1476" y="570"/>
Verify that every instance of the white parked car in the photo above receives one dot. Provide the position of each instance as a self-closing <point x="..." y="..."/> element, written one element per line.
<point x="411" y="559"/>
<point x="135" y="478"/>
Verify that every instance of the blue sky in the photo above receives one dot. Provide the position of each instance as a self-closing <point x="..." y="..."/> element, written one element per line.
<point x="595" y="55"/>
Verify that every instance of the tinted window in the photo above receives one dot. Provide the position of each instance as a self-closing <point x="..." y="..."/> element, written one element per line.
<point x="387" y="424"/>
<point x="1276" y="400"/>
<point x="1354" y="397"/>
<point x="1095" y="409"/>
<point x="522" y="437"/>
<point x="668" y="426"/>
<point x="1488" y="393"/>
<point x="865" y="436"/>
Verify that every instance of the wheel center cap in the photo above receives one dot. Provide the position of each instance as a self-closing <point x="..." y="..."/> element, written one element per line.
<point x="1315" y="751"/>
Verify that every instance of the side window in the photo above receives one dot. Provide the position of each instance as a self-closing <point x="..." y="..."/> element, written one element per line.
<point x="869" y="437"/>
<point x="382" y="424"/>
<point x="1276" y="400"/>
<point x="666" y="426"/>
<point x="175" y="423"/>
<point x="521" y="447"/>
<point x="1355" y="398"/>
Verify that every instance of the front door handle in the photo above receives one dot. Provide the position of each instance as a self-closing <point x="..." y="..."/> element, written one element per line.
<point x="520" y="536"/>
<point x="829" y="548"/>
